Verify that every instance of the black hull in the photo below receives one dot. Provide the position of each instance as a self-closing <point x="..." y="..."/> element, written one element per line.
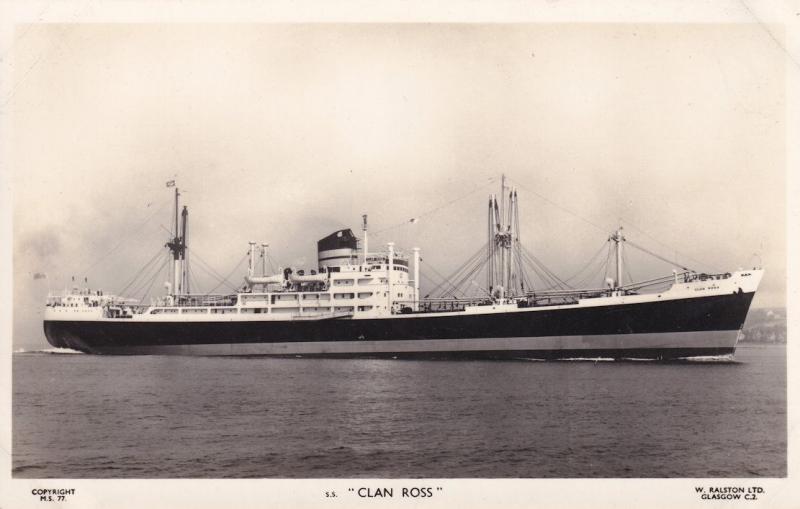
<point x="622" y="331"/>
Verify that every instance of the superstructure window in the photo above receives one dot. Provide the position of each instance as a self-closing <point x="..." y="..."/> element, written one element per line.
<point x="254" y="298"/>
<point x="255" y="310"/>
<point x="159" y="311"/>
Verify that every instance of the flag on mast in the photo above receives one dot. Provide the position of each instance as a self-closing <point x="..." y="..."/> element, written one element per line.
<point x="170" y="183"/>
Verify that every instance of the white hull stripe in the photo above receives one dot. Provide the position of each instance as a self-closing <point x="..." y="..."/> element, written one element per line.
<point x="665" y="340"/>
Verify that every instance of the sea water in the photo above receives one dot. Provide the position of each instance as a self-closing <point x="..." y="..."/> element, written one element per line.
<point x="84" y="416"/>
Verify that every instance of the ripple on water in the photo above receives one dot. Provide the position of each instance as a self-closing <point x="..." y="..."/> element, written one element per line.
<point x="87" y="416"/>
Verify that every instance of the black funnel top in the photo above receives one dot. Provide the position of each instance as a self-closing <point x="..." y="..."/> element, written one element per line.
<point x="343" y="239"/>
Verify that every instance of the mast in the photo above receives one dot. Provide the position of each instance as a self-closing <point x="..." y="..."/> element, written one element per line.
<point x="490" y="246"/>
<point x="389" y="273"/>
<point x="503" y="247"/>
<point x="364" y="229"/>
<point x="251" y="265"/>
<point x="177" y="245"/>
<point x="177" y="195"/>
<point x="184" y="265"/>
<point x="503" y="281"/>
<point x="508" y="241"/>
<point x="514" y="243"/>
<point x="618" y="239"/>
<point x="502" y="195"/>
<point x="416" y="279"/>
<point x="264" y="247"/>
<point x="498" y="252"/>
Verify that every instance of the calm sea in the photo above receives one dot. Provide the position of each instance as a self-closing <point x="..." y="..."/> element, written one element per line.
<point x="82" y="416"/>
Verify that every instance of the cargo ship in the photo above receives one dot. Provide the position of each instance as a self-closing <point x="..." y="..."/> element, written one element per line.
<point x="357" y="302"/>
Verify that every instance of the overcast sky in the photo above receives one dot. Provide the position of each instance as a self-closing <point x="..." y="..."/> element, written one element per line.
<point x="284" y="133"/>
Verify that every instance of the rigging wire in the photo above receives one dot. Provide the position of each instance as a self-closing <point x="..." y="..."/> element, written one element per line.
<point x="142" y="283"/>
<point x="207" y="267"/>
<point x="211" y="271"/>
<point x="546" y="280"/>
<point x="595" y="225"/>
<point x="544" y="268"/>
<point x="443" y="282"/>
<point x="430" y="280"/>
<point x="136" y="276"/>
<point x="602" y="266"/>
<point x="525" y="283"/>
<point x="516" y="246"/>
<point x="229" y="275"/>
<point x="185" y="275"/>
<point x="608" y="260"/>
<point x="122" y="241"/>
<point x="592" y="260"/>
<point x="153" y="280"/>
<point x="627" y="266"/>
<point x="668" y="247"/>
<point x="193" y="279"/>
<point x="271" y="265"/>
<point x="548" y="283"/>
<point x="464" y="271"/>
<point x="663" y="259"/>
<point x="470" y="267"/>
<point x="476" y="266"/>
<point x="446" y="280"/>
<point x="551" y="202"/>
<point x="437" y="208"/>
